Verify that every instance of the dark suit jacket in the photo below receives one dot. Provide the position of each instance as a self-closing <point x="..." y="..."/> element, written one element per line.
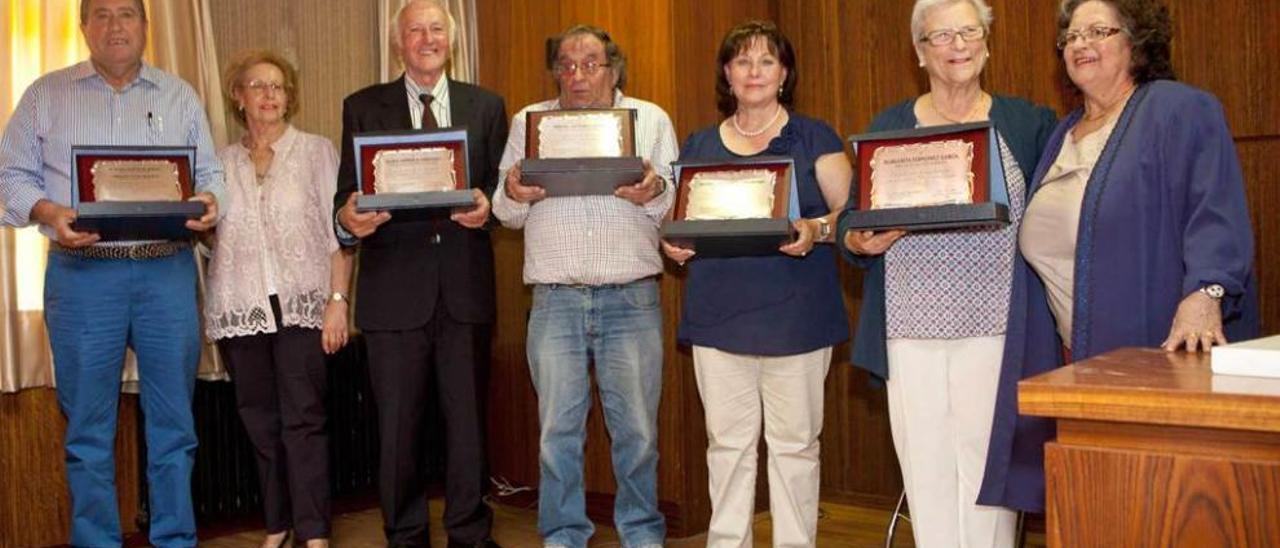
<point x="403" y="273"/>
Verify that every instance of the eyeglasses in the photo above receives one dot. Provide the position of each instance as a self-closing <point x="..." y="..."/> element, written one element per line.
<point x="261" y="88"/>
<point x="589" y="68"/>
<point x="943" y="37"/>
<point x="1090" y="35"/>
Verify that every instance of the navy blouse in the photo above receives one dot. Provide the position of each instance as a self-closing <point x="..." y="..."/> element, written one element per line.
<point x="774" y="305"/>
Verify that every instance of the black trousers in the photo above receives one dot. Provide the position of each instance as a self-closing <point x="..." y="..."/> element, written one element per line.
<point x="401" y="365"/>
<point x="281" y="384"/>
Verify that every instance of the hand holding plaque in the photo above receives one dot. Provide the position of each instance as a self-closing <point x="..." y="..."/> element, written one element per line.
<point x="581" y="152"/>
<point x="928" y="179"/>
<point x="733" y="208"/>
<point x="134" y="193"/>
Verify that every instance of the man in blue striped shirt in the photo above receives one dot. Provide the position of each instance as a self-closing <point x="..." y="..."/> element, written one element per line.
<point x="102" y="297"/>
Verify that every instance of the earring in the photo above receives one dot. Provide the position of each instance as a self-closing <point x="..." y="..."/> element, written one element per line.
<point x="779" y="91"/>
<point x="922" y="63"/>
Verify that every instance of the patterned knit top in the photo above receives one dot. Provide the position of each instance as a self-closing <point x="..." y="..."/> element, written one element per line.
<point x="955" y="284"/>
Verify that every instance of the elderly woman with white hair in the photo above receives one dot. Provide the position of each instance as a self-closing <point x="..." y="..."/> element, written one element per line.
<point x="935" y="305"/>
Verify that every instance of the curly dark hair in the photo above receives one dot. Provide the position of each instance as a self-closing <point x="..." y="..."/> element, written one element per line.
<point x="738" y="40"/>
<point x="1147" y="24"/>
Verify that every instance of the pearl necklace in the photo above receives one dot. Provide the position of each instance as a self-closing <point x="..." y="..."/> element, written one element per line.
<point x="759" y="132"/>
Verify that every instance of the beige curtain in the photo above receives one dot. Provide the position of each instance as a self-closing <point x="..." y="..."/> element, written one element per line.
<point x="464" y="63"/>
<point x="37" y="36"/>
<point x="41" y="36"/>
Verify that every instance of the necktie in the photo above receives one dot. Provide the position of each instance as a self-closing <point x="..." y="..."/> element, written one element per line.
<point x="428" y="118"/>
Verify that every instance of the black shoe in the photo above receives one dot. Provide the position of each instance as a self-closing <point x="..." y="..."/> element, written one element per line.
<point x="486" y="543"/>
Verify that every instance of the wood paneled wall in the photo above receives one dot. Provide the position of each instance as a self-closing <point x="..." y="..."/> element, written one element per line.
<point x="333" y="44"/>
<point x="35" y="502"/>
<point x="855" y="59"/>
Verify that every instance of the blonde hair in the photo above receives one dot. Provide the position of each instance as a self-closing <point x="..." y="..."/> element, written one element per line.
<point x="247" y="59"/>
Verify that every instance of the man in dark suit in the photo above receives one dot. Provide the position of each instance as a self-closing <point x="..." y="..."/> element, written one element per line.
<point x="425" y="286"/>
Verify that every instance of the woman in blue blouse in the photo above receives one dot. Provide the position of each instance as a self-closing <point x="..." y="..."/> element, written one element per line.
<point x="762" y="328"/>
<point x="935" y="305"/>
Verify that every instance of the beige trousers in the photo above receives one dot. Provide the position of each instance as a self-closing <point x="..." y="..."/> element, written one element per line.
<point x="942" y="396"/>
<point x="738" y="393"/>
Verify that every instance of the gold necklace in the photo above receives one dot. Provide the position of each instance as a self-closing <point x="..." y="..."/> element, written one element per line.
<point x="977" y="105"/>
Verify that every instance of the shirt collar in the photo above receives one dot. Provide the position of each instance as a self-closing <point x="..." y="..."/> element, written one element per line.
<point x="440" y="91"/>
<point x="617" y="99"/>
<point x="147" y="74"/>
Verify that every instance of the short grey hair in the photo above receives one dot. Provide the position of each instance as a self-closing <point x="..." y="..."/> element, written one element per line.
<point x="451" y="25"/>
<point x="923" y="7"/>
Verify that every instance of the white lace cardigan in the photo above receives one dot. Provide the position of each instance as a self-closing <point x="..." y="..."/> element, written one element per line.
<point x="290" y="218"/>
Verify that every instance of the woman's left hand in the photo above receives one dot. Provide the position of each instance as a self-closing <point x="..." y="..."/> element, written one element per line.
<point x="1197" y="324"/>
<point x="806" y="235"/>
<point x="334" y="335"/>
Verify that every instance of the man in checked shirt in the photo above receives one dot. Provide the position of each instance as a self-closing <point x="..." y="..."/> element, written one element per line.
<point x="594" y="262"/>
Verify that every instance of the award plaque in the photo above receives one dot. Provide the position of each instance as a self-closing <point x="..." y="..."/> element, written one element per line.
<point x="929" y="179"/>
<point x="581" y="152"/>
<point x="732" y="208"/>
<point x="134" y="193"/>
<point x="412" y="171"/>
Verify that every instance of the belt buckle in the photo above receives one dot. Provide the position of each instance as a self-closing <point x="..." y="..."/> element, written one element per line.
<point x="137" y="252"/>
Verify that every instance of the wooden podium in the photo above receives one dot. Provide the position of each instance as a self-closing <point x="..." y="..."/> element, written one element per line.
<point x="1155" y="450"/>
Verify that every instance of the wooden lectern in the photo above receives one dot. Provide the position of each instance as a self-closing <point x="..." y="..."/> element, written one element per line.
<point x="1155" y="450"/>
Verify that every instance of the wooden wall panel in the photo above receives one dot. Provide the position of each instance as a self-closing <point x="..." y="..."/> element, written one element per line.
<point x="1258" y="158"/>
<point x="35" y="503"/>
<point x="698" y="29"/>
<point x="333" y="43"/>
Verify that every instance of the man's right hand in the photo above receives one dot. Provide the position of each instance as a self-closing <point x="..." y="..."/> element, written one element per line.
<point x="520" y="192"/>
<point x="359" y="224"/>
<point x="59" y="218"/>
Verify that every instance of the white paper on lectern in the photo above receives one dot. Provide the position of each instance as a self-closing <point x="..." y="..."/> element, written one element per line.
<point x="1253" y="358"/>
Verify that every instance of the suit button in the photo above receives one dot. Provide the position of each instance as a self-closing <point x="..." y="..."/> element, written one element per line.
<point x="435" y="239"/>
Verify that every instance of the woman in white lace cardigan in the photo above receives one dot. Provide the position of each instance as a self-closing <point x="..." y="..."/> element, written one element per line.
<point x="277" y="293"/>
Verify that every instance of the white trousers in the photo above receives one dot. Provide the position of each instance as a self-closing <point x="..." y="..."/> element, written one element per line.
<point x="738" y="392"/>
<point x="942" y="396"/>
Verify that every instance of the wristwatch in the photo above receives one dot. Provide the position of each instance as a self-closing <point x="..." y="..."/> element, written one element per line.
<point x="339" y="297"/>
<point x="824" y="230"/>
<point x="1214" y="291"/>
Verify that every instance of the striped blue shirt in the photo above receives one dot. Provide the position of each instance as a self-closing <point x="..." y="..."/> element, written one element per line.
<point x="76" y="106"/>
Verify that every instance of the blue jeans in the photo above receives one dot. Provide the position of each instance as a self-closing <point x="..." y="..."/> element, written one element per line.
<point x="619" y="329"/>
<point x="94" y="308"/>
